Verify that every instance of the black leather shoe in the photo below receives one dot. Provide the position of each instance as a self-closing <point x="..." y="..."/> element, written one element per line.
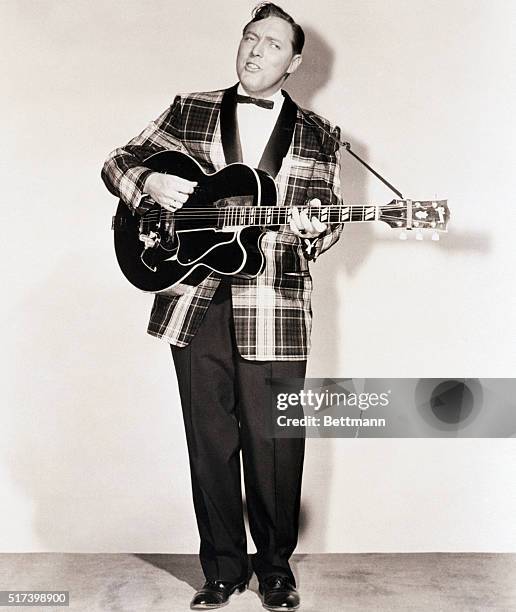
<point x="278" y="594"/>
<point x="215" y="594"/>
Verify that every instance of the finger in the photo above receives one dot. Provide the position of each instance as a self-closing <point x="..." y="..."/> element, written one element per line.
<point x="314" y="207"/>
<point x="168" y="207"/>
<point x="296" y="221"/>
<point x="319" y="226"/>
<point x="299" y="233"/>
<point x="183" y="184"/>
<point x="296" y="224"/>
<point x="179" y="197"/>
<point x="184" y="189"/>
<point x="173" y="185"/>
<point x="294" y="228"/>
<point x="295" y="216"/>
<point x="305" y="222"/>
<point x="171" y="204"/>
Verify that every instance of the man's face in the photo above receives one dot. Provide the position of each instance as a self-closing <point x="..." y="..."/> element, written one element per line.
<point x="265" y="56"/>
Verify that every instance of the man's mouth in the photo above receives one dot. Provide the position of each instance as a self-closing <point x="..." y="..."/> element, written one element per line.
<point x="252" y="67"/>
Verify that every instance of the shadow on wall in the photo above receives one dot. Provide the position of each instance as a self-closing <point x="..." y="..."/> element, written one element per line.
<point x="330" y="271"/>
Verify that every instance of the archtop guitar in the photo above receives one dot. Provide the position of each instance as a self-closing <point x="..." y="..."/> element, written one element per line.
<point x="219" y="228"/>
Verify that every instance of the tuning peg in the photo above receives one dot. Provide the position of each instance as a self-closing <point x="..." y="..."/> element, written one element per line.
<point x="419" y="235"/>
<point x="403" y="235"/>
<point x="435" y="236"/>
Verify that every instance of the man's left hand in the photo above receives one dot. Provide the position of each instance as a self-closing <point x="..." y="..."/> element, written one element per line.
<point x="302" y="226"/>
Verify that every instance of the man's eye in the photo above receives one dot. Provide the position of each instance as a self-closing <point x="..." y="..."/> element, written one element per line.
<point x="275" y="45"/>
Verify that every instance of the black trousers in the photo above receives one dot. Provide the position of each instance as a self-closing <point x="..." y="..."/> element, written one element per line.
<point x="226" y="409"/>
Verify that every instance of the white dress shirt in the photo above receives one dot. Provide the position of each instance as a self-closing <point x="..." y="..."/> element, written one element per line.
<point x="255" y="125"/>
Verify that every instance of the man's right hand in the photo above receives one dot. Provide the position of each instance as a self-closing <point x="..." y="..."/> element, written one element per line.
<point x="169" y="191"/>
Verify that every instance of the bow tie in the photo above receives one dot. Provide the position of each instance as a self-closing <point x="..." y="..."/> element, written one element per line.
<point x="269" y="104"/>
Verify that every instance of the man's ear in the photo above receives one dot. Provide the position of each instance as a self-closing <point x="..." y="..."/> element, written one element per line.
<point x="295" y="63"/>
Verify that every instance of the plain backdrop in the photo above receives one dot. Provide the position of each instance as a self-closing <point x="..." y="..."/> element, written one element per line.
<point x="93" y="456"/>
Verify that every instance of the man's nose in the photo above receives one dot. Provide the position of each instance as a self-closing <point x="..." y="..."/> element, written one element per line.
<point x="258" y="49"/>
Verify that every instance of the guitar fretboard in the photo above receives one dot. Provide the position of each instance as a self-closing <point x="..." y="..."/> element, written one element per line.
<point x="262" y="216"/>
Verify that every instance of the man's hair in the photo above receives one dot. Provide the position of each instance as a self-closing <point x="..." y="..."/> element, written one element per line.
<point x="268" y="9"/>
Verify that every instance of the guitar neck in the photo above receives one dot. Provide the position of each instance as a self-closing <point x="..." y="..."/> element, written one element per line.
<point x="226" y="215"/>
<point x="263" y="216"/>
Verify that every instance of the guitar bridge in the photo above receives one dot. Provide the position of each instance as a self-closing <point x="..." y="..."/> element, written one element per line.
<point x="150" y="240"/>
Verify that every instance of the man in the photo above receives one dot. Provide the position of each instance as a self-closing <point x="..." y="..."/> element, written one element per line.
<point x="230" y="336"/>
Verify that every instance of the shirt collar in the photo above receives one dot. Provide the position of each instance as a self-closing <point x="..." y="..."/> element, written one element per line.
<point x="277" y="98"/>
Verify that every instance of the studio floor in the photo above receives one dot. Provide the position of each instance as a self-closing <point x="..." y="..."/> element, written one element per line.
<point x="327" y="582"/>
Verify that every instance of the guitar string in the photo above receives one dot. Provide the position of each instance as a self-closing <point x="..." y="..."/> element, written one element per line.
<point x="422" y="224"/>
<point x="314" y="208"/>
<point x="235" y="216"/>
<point x="238" y="214"/>
<point x="168" y="215"/>
<point x="249" y="222"/>
<point x="277" y="221"/>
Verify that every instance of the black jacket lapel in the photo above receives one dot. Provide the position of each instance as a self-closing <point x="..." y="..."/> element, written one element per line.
<point x="229" y="127"/>
<point x="280" y="139"/>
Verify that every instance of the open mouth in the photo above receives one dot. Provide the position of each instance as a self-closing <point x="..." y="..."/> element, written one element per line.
<point x="252" y="67"/>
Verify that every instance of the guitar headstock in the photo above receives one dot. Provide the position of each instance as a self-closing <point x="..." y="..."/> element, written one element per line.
<point x="416" y="215"/>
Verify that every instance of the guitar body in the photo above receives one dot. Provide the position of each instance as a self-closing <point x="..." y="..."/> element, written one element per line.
<point x="159" y="251"/>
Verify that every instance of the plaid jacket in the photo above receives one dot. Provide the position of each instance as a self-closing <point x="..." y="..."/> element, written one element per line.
<point x="272" y="312"/>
